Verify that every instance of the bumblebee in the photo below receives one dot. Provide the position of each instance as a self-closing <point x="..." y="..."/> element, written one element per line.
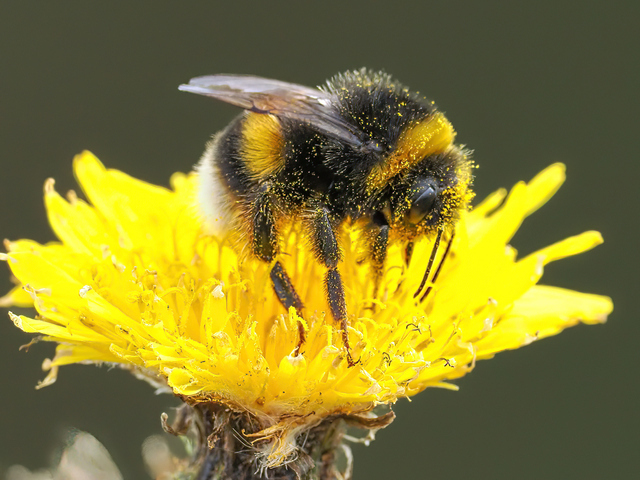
<point x="361" y="149"/>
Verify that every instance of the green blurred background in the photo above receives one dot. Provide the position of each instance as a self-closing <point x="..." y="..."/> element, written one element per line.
<point x="525" y="84"/>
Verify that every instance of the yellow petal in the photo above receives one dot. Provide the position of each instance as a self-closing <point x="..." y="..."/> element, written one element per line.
<point x="136" y="280"/>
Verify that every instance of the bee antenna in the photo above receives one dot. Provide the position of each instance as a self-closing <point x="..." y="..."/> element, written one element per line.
<point x="435" y="275"/>
<point x="432" y="258"/>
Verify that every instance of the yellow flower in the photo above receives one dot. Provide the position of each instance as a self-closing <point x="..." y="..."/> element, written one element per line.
<point x="135" y="281"/>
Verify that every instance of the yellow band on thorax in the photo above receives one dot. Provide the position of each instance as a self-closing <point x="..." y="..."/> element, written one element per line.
<point x="262" y="144"/>
<point x="430" y="136"/>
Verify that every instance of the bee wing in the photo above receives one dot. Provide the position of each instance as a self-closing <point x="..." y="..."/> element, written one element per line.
<point x="262" y="95"/>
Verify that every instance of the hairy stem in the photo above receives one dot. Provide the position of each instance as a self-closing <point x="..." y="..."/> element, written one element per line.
<point x="224" y="449"/>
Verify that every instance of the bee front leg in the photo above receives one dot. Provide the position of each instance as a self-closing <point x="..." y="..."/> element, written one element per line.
<point x="327" y="251"/>
<point x="265" y="247"/>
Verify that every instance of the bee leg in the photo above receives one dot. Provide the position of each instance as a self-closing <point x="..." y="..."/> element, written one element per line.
<point x="264" y="233"/>
<point x="284" y="289"/>
<point x="379" y="255"/>
<point x="335" y="295"/>
<point x="265" y="247"/>
<point x="325" y="246"/>
<point x="288" y="297"/>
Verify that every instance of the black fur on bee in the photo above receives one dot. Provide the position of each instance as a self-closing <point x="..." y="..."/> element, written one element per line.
<point x="362" y="149"/>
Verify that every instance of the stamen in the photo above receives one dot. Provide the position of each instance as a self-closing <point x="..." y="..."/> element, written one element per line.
<point x="434" y="250"/>
<point x="435" y="275"/>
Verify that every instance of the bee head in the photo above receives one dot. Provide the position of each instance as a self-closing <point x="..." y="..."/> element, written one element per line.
<point x="421" y="200"/>
<point x="431" y="195"/>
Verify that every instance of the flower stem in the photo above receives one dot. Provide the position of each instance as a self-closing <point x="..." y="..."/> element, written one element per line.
<point x="224" y="449"/>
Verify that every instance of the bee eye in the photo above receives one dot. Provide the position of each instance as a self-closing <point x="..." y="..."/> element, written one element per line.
<point x="422" y="202"/>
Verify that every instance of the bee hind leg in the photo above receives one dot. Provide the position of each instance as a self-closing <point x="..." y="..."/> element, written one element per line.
<point x="265" y="247"/>
<point x="286" y="293"/>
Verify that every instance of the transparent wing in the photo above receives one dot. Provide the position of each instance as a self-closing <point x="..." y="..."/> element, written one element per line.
<point x="288" y="100"/>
